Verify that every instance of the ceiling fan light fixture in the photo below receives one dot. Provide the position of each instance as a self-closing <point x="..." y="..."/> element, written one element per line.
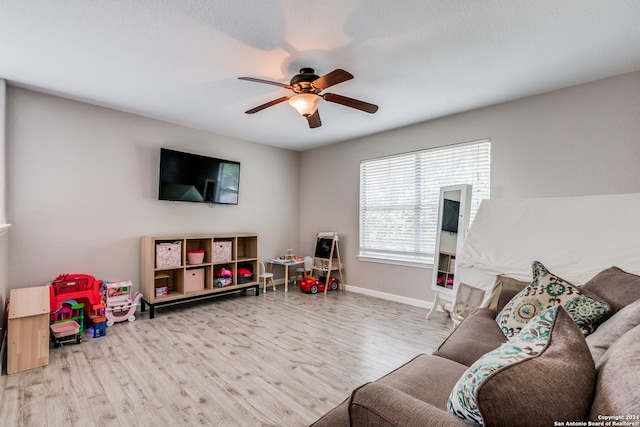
<point x="305" y="103"/>
<point x="306" y="87"/>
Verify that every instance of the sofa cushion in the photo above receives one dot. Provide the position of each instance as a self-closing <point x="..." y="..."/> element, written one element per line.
<point x="418" y="378"/>
<point x="616" y="326"/>
<point x="419" y="388"/>
<point x="376" y="404"/>
<point x="473" y="337"/>
<point x="426" y="378"/>
<point x="617" y="391"/>
<point x="615" y="286"/>
<point x="544" y="374"/>
<point x="337" y="417"/>
<point x="547" y="290"/>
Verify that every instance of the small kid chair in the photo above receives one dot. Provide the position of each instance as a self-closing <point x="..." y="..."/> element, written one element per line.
<point x="264" y="276"/>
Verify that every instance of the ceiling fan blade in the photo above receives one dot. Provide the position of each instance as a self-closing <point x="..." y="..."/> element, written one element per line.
<point x="314" y="120"/>
<point x="350" y="102"/>
<point x="269" y="82"/>
<point x="267" y="105"/>
<point x="332" y="78"/>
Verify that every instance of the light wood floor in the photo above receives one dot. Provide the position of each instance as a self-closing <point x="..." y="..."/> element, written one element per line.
<point x="278" y="359"/>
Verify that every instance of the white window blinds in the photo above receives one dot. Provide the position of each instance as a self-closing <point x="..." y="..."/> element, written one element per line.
<point x="399" y="198"/>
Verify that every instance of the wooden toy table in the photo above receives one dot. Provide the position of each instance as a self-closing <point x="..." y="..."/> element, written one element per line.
<point x="286" y="263"/>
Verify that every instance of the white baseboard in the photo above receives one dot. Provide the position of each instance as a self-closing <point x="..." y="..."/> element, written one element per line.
<point x="383" y="295"/>
<point x="391" y="297"/>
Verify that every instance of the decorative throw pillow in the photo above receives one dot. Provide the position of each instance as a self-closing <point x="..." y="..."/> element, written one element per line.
<point x="544" y="374"/>
<point x="618" y="376"/>
<point x="547" y="290"/>
<point x="615" y="286"/>
<point x="615" y="327"/>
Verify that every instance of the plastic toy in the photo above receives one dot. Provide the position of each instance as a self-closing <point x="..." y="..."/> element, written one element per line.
<point x="120" y="303"/>
<point x="244" y="274"/>
<point x="224" y="277"/>
<point x="449" y="282"/>
<point x="69" y="310"/>
<point x="65" y="332"/>
<point x="312" y="285"/>
<point x="81" y="288"/>
<point x="99" y="328"/>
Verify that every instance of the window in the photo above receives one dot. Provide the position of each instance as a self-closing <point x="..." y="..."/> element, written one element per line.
<point x="399" y="198"/>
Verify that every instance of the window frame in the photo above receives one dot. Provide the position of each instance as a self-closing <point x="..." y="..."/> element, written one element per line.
<point x="424" y="188"/>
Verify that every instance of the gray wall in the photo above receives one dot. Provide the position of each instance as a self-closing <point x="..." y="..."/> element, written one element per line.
<point x="81" y="184"/>
<point x="4" y="238"/>
<point x="578" y="141"/>
<point x="82" y="189"/>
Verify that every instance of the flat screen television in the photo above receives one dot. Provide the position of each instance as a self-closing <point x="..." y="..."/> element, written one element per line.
<point x="186" y="177"/>
<point x="450" y="215"/>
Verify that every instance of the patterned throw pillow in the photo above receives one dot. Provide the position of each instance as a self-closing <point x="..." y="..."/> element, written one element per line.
<point x="547" y="290"/>
<point x="545" y="373"/>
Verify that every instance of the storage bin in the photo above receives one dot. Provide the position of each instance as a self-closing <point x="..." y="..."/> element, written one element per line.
<point x="168" y="254"/>
<point x="194" y="280"/>
<point x="221" y="252"/>
<point x="195" y="257"/>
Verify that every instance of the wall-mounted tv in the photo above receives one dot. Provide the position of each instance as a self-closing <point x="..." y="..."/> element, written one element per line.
<point x="450" y="215"/>
<point x="186" y="177"/>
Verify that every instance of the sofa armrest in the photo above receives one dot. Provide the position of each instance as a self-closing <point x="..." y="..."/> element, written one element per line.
<point x="380" y="405"/>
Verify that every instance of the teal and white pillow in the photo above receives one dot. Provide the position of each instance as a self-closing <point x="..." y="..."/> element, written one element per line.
<point x="544" y="373"/>
<point x="548" y="290"/>
<point x="529" y="342"/>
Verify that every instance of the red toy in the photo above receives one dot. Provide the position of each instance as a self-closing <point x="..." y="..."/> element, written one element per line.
<point x="312" y="285"/>
<point x="81" y="288"/>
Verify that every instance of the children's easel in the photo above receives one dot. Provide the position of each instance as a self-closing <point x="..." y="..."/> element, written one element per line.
<point x="326" y="257"/>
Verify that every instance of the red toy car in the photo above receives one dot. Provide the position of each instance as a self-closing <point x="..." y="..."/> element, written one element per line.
<point x="312" y="285"/>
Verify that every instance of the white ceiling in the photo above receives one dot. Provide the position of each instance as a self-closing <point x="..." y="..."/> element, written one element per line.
<point x="178" y="60"/>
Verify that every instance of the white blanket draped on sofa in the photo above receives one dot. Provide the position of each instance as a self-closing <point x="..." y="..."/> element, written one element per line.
<point x="574" y="237"/>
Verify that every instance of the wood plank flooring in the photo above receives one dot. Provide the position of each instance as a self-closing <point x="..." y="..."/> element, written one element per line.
<point x="278" y="359"/>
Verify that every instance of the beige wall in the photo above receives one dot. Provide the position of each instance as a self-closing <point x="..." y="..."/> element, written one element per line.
<point x="82" y="189"/>
<point x="578" y="141"/>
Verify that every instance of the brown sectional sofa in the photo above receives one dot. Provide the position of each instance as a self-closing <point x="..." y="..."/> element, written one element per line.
<point x="604" y="369"/>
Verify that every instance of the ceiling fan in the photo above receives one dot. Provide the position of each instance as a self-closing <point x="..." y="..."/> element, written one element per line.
<point x="307" y="87"/>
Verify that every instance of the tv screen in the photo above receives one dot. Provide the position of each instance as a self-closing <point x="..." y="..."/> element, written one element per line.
<point x="450" y="215"/>
<point x="186" y="177"/>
